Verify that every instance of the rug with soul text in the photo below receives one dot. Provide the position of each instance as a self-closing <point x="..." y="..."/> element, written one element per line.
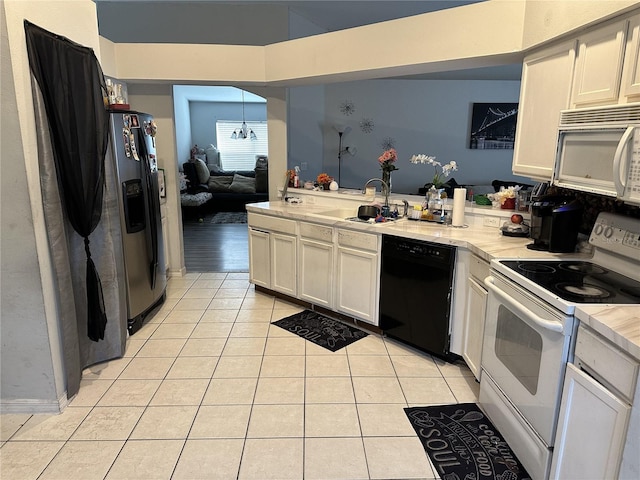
<point x="323" y="331"/>
<point x="463" y="444"/>
<point x="229" y="217"/>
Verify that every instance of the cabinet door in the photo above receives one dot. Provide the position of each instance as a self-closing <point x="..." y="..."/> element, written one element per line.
<point x="316" y="272"/>
<point x="259" y="258"/>
<point x="631" y="68"/>
<point x="283" y="263"/>
<point x="357" y="284"/>
<point x="545" y="90"/>
<point x="591" y="430"/>
<point x="474" y="326"/>
<point x="599" y="66"/>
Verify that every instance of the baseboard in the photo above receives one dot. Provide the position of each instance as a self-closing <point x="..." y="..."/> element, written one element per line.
<point x="181" y="272"/>
<point x="31" y="406"/>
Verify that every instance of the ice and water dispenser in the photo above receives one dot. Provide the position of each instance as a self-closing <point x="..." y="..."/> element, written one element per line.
<point x="134" y="205"/>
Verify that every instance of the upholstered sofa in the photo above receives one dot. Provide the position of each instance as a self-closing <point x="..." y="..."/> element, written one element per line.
<point x="230" y="191"/>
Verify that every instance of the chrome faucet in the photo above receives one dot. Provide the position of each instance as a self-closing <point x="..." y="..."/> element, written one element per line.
<point x="284" y="188"/>
<point x="406" y="208"/>
<point x="385" y="189"/>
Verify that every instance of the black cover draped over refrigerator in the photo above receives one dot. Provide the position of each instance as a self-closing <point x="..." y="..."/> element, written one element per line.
<point x="73" y="89"/>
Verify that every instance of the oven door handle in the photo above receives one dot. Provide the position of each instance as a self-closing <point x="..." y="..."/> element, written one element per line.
<point x="524" y="312"/>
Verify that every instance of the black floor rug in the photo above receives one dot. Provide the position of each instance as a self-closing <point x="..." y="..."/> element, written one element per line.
<point x="323" y="331"/>
<point x="463" y="444"/>
<point x="229" y="217"/>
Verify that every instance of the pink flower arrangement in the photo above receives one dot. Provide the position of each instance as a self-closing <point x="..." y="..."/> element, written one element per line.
<point x="387" y="160"/>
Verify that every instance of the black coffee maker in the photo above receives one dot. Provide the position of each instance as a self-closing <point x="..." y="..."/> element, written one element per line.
<point x="555" y="220"/>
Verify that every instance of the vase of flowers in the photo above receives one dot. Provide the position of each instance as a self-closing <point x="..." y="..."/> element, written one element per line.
<point x="440" y="171"/>
<point x="505" y="198"/>
<point x="291" y="174"/>
<point x="324" y="181"/>
<point x="387" y="161"/>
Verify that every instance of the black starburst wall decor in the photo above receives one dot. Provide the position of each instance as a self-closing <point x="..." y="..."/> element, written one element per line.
<point x="366" y="125"/>
<point x="388" y="143"/>
<point x="347" y="108"/>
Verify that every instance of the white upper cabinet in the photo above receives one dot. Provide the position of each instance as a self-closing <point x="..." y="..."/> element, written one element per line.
<point x="545" y="90"/>
<point x="599" y="61"/>
<point x="631" y="68"/>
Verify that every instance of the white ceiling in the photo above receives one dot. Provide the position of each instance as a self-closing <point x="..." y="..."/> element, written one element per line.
<point x="333" y="15"/>
<point x="327" y="15"/>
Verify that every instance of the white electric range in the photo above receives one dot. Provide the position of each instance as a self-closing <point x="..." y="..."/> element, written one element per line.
<point x="529" y="328"/>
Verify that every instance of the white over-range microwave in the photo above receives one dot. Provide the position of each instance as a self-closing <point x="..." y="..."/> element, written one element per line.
<point x="599" y="151"/>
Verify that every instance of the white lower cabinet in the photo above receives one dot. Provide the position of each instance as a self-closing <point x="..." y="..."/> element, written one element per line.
<point x="338" y="270"/>
<point x="597" y="400"/>
<point x="283" y="263"/>
<point x="476" y="307"/>
<point x="358" y="271"/>
<point x="591" y="430"/>
<point x="474" y="326"/>
<point x="273" y="253"/>
<point x="259" y="258"/>
<point x="315" y="282"/>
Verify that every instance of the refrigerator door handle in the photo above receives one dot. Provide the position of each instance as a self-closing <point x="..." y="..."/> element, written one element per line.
<point x="152" y="229"/>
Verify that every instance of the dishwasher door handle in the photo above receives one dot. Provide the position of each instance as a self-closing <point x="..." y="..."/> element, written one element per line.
<point x="525" y="313"/>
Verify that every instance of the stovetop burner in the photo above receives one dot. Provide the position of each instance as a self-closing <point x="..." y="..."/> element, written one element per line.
<point x="578" y="281"/>
<point x="583" y="267"/>
<point x="584" y="291"/>
<point x="535" y="268"/>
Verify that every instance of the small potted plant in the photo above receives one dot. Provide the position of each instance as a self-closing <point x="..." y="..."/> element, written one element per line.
<point x="291" y="173"/>
<point x="324" y="180"/>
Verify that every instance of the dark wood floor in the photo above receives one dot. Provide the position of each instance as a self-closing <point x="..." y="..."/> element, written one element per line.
<point x="215" y="247"/>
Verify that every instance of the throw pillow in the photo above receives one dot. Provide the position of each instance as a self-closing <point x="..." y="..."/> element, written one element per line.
<point x="202" y="170"/>
<point x="242" y="184"/>
<point x="262" y="162"/>
<point x="220" y="184"/>
<point x="213" y="159"/>
<point x="262" y="180"/>
<point x="215" y="170"/>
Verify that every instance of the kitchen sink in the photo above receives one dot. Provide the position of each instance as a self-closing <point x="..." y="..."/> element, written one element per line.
<point x="341" y="213"/>
<point x="351" y="215"/>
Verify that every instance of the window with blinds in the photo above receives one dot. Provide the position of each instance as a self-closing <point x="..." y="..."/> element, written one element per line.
<point x="240" y="154"/>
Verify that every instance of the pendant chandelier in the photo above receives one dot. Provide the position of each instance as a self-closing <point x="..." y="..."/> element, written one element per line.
<point x="244" y="132"/>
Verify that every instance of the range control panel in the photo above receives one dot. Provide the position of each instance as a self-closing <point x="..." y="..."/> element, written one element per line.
<point x="618" y="234"/>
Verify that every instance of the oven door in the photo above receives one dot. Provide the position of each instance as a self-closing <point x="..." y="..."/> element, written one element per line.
<point x="525" y="351"/>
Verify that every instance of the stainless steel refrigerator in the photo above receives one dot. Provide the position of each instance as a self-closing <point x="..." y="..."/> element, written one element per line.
<point x="132" y="150"/>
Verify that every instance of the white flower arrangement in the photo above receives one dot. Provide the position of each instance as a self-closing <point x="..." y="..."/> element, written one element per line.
<point x="445" y="170"/>
<point x="504" y="193"/>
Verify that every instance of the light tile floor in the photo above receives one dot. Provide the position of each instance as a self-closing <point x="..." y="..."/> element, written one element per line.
<point x="210" y="389"/>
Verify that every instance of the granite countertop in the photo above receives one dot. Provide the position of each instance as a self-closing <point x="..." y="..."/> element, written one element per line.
<point x="619" y="324"/>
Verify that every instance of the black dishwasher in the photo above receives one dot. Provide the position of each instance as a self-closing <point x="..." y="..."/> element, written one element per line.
<point x="415" y="293"/>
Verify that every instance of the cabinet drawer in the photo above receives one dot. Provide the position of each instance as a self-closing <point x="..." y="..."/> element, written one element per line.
<point x="316" y="232"/>
<point x="361" y="241"/>
<point x="478" y="269"/>
<point x="599" y="357"/>
<point x="272" y="224"/>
